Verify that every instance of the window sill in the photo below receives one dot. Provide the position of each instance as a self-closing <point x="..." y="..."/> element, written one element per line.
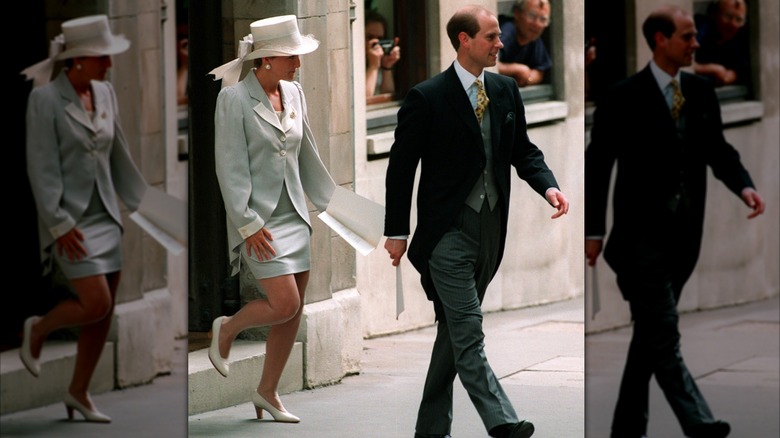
<point x="731" y="112"/>
<point x="741" y="112"/>
<point x="379" y="143"/>
<point x="543" y="112"/>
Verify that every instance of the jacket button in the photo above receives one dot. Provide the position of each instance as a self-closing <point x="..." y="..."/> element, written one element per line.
<point x="283" y="153"/>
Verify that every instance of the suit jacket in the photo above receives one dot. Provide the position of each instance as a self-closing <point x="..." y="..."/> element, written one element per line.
<point x="437" y="129"/>
<point x="257" y="154"/>
<point x="633" y="127"/>
<point x="69" y="156"/>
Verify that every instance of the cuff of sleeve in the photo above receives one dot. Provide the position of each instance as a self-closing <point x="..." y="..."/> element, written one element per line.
<point x="63" y="227"/>
<point x="251" y="228"/>
<point x="400" y="237"/>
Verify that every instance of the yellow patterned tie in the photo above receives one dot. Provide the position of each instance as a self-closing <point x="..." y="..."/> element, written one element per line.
<point x="482" y="100"/>
<point x="677" y="100"/>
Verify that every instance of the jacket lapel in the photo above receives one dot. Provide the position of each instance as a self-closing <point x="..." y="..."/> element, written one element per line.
<point x="264" y="109"/>
<point x="288" y="116"/>
<point x="102" y="108"/>
<point x="459" y="102"/>
<point x="73" y="106"/>
<point x="656" y="101"/>
<point x="495" y="91"/>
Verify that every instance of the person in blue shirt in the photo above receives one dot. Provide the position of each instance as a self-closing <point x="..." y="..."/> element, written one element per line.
<point x="724" y="54"/>
<point x="524" y="56"/>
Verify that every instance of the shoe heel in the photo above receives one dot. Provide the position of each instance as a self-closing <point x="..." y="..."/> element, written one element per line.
<point x="70" y="412"/>
<point x="279" y="416"/>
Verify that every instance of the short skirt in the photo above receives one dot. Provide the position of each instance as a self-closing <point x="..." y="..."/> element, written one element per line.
<point x="102" y="240"/>
<point x="291" y="241"/>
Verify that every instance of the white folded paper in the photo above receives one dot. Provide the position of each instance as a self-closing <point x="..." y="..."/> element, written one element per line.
<point x="399" y="292"/>
<point x="358" y="220"/>
<point x="164" y="217"/>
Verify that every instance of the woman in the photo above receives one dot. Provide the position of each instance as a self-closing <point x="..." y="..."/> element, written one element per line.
<point x="379" y="64"/>
<point x="266" y="159"/>
<point x="77" y="163"/>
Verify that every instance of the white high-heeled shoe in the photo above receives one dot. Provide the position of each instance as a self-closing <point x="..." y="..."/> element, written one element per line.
<point x="216" y="359"/>
<point x="25" y="354"/>
<point x="89" y="415"/>
<point x="279" y="416"/>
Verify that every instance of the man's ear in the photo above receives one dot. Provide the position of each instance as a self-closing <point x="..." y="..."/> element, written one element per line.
<point x="464" y="39"/>
<point x="660" y="39"/>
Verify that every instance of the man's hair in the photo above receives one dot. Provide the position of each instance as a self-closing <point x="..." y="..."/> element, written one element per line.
<point x="661" y="20"/>
<point x="464" y="20"/>
<point x="519" y="5"/>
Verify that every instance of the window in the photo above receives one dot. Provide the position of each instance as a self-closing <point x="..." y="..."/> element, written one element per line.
<point x="725" y="37"/>
<point x="545" y="102"/>
<point x="544" y="90"/>
<point x="389" y="23"/>
<point x="405" y="20"/>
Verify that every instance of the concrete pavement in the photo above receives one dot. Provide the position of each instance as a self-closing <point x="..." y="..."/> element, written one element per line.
<point x="158" y="409"/>
<point x="732" y="352"/>
<point x="536" y="352"/>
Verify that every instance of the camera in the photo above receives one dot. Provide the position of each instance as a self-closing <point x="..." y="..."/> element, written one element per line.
<point x="387" y="45"/>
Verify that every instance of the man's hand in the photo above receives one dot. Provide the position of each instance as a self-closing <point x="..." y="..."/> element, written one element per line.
<point x="754" y="201"/>
<point x="396" y="248"/>
<point x="592" y="250"/>
<point x="557" y="200"/>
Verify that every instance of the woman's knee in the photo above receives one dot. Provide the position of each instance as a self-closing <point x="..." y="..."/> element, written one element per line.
<point x="287" y="309"/>
<point x="98" y="308"/>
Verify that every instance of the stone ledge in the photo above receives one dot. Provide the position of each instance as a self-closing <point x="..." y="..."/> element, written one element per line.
<point x="209" y="391"/>
<point x="21" y="391"/>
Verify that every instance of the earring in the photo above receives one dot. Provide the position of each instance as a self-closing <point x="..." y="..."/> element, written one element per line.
<point x="268" y="66"/>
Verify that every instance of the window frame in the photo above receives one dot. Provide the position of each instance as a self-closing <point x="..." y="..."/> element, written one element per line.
<point x="544" y="103"/>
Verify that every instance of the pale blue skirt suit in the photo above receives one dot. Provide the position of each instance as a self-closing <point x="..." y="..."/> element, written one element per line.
<point x="77" y="164"/>
<point x="266" y="165"/>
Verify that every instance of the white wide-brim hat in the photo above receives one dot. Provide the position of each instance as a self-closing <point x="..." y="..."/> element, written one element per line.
<point x="80" y="37"/>
<point x="91" y="36"/>
<point x="274" y="36"/>
<point x="279" y="36"/>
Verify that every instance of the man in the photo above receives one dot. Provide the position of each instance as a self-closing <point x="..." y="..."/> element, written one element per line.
<point x="463" y="204"/>
<point x="659" y="198"/>
<point x="724" y="55"/>
<point x="524" y="56"/>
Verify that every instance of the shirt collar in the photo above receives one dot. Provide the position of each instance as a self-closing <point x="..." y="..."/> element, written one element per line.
<point x="662" y="77"/>
<point x="467" y="79"/>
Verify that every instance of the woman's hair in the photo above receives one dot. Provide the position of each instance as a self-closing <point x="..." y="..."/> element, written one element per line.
<point x="373" y="16"/>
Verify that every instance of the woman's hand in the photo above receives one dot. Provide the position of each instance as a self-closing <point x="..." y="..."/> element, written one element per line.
<point x="260" y="244"/>
<point x="389" y="60"/>
<point x="70" y="244"/>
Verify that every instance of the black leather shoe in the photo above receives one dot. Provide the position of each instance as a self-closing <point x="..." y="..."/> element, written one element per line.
<point x="523" y="429"/>
<point x="417" y="435"/>
<point x="718" y="429"/>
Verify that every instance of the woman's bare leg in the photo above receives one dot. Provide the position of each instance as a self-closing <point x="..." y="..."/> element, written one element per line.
<point x="92" y="310"/>
<point x="280" y="343"/>
<point x="282" y="311"/>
